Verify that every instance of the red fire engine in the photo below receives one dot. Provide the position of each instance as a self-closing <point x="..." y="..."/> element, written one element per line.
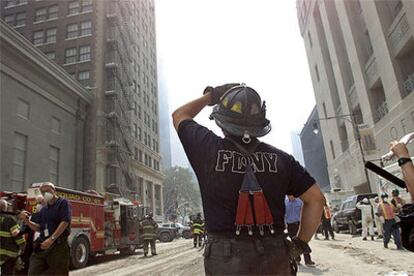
<point x="100" y="224"/>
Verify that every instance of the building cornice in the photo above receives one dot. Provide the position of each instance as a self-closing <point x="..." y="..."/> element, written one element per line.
<point x="24" y="47"/>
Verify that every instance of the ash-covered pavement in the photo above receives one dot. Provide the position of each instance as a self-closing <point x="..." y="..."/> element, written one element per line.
<point x="344" y="256"/>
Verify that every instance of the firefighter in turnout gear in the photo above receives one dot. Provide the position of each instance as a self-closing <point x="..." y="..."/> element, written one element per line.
<point x="12" y="243"/>
<point x="197" y="228"/>
<point x="243" y="183"/>
<point x="149" y="234"/>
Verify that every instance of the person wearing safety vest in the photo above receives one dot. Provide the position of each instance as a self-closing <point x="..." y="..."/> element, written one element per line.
<point x="12" y="243"/>
<point x="149" y="234"/>
<point x="326" y="222"/>
<point x="386" y="210"/>
<point x="197" y="228"/>
<point x="243" y="183"/>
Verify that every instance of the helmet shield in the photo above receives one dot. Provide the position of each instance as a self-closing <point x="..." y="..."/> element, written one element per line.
<point x="241" y="112"/>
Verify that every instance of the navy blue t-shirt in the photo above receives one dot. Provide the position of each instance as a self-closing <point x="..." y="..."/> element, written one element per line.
<point x="219" y="167"/>
<point x="50" y="216"/>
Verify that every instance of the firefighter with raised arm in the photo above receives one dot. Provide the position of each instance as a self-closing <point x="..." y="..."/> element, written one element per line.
<point x="12" y="243"/>
<point x="243" y="184"/>
<point x="149" y="234"/>
<point x="197" y="229"/>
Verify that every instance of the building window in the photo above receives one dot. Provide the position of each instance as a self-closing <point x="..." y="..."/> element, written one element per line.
<point x="11" y="3"/>
<point x="20" y="19"/>
<point x="38" y="37"/>
<point x="40" y="15"/>
<point x="70" y="55"/>
<point x="135" y="129"/>
<point x="54" y="164"/>
<point x="135" y="153"/>
<point x="85" y="53"/>
<point x="83" y="78"/>
<point x="332" y="149"/>
<point x="51" y="55"/>
<point x="140" y="156"/>
<point x="72" y="30"/>
<point x="74" y="7"/>
<point x="317" y="73"/>
<point x="9" y="19"/>
<point x="19" y="161"/>
<point x="310" y="39"/>
<point x="23" y="109"/>
<point x="86" y="28"/>
<point x="51" y="35"/>
<point x="56" y="126"/>
<point x="86" y="5"/>
<point x="52" y="12"/>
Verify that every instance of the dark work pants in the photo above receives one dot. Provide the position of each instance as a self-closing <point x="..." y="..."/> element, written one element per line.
<point x="8" y="266"/>
<point x="292" y="232"/>
<point x="327" y="229"/>
<point x="53" y="261"/>
<point x="391" y="228"/>
<point x="152" y="243"/>
<point x="198" y="239"/>
<point x="246" y="256"/>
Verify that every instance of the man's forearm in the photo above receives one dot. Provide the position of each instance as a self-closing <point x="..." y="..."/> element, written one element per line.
<point x="59" y="230"/>
<point x="34" y="226"/>
<point x="310" y="220"/>
<point x="190" y="110"/>
<point x="408" y="174"/>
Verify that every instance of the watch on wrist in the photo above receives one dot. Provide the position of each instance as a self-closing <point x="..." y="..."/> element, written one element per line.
<point x="403" y="160"/>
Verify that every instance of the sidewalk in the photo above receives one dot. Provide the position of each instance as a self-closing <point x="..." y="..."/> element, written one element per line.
<point x="352" y="256"/>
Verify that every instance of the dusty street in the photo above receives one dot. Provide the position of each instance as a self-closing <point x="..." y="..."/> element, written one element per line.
<point x="344" y="256"/>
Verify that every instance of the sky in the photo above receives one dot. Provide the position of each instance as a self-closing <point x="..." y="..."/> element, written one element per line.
<point x="258" y="42"/>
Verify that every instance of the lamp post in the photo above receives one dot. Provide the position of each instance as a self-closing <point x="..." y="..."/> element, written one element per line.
<point x="351" y="119"/>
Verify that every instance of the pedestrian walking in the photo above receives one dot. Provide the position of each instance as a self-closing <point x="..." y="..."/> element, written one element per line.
<point x="386" y="210"/>
<point x="149" y="234"/>
<point x="293" y="210"/>
<point x="197" y="229"/>
<point x="366" y="218"/>
<point x="51" y="251"/>
<point x="12" y="243"/>
<point x="326" y="222"/>
<point x="243" y="183"/>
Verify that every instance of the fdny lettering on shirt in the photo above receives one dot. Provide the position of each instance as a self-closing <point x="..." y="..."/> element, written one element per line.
<point x="236" y="162"/>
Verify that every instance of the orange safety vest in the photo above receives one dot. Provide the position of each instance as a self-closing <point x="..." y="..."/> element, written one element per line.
<point x="327" y="212"/>
<point x="387" y="211"/>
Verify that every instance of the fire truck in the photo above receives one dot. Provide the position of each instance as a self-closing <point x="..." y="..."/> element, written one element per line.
<point x="101" y="224"/>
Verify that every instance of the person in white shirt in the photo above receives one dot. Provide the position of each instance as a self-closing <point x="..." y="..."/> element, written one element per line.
<point x="367" y="219"/>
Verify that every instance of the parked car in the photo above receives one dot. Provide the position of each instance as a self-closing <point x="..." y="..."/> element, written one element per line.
<point x="348" y="216"/>
<point x="183" y="231"/>
<point x="166" y="233"/>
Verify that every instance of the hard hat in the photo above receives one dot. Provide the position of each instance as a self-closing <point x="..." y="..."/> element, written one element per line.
<point x="242" y="113"/>
<point x="395" y="192"/>
<point x="384" y="195"/>
<point x="365" y="200"/>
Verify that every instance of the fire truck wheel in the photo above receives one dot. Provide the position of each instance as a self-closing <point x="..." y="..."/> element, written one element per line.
<point x="130" y="250"/>
<point x="80" y="252"/>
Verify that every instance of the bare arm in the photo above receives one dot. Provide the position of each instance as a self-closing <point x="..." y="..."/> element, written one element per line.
<point x="313" y="201"/>
<point x="400" y="149"/>
<point x="59" y="230"/>
<point x="408" y="174"/>
<point x="32" y="225"/>
<point x="190" y="110"/>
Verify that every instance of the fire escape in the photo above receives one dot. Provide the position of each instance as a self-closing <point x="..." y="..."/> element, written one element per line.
<point x="118" y="98"/>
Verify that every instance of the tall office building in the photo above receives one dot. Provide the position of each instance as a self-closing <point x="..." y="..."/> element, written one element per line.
<point x="109" y="47"/>
<point x="297" y="147"/>
<point x="361" y="58"/>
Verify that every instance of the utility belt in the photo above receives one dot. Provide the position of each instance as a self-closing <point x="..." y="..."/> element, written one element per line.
<point x="244" y="235"/>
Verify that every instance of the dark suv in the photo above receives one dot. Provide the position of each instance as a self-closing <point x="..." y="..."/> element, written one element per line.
<point x="348" y="216"/>
<point x="166" y="233"/>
